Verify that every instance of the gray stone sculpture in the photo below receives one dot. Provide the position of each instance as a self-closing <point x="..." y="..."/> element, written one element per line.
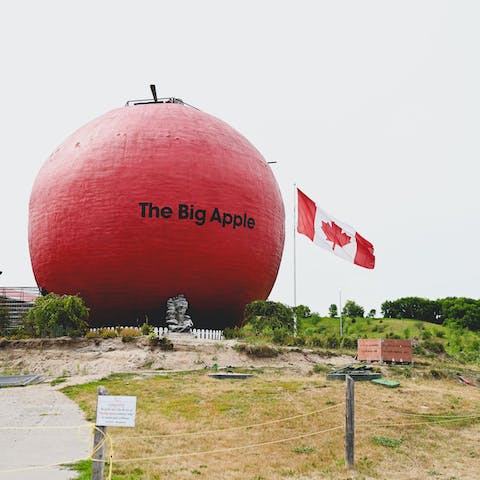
<point x="177" y="319"/>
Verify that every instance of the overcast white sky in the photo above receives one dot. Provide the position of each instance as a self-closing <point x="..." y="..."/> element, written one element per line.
<point x="371" y="107"/>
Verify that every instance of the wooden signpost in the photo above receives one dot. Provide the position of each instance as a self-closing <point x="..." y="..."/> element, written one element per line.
<point x="112" y="411"/>
<point x="349" y="421"/>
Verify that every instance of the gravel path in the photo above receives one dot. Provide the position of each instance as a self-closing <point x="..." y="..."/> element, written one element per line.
<point x="40" y="407"/>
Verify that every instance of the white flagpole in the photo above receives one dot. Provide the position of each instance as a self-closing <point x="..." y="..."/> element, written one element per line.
<point x="340" y="312"/>
<point x="294" y="258"/>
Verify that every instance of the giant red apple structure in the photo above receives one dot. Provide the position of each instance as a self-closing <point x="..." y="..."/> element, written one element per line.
<point x="152" y="200"/>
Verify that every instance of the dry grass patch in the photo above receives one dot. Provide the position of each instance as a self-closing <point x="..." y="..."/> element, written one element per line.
<point x="401" y="433"/>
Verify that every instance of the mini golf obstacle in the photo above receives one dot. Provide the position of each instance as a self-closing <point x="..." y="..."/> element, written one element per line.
<point x="357" y="372"/>
<point x="385" y="383"/>
<point x="230" y="375"/>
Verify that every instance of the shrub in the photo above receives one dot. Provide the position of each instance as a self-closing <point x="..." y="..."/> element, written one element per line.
<point x="438" y="374"/>
<point x="164" y="343"/>
<point x="393" y="335"/>
<point x="57" y="315"/>
<point x="426" y="334"/>
<point x="235" y="332"/>
<point x="298" y="341"/>
<point x="146" y="329"/>
<point x="259" y="350"/>
<point x="17" y="333"/>
<point x="316" y="340"/>
<point x="418" y="350"/>
<point x="321" y="368"/>
<point x="434" y="347"/>
<point x="348" y="342"/>
<point x="332" y="341"/>
<point x="92" y="334"/>
<point x="128" y="334"/>
<point x="280" y="336"/>
<point x="261" y="314"/>
<point x="315" y="319"/>
<point x="439" y="333"/>
<point x="107" y="333"/>
<point x="153" y="339"/>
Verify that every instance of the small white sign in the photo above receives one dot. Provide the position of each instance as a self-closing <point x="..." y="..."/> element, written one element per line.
<point x="116" y="411"/>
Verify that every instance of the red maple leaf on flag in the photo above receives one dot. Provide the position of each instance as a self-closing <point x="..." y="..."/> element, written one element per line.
<point x="334" y="234"/>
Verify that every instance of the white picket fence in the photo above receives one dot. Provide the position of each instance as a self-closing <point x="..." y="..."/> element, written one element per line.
<point x="205" y="334"/>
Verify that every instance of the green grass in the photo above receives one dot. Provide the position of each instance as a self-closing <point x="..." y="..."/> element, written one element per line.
<point x="304" y="449"/>
<point x="370" y="327"/>
<point x="386" y="441"/>
<point x="192" y="402"/>
<point x="83" y="469"/>
<point x="433" y="339"/>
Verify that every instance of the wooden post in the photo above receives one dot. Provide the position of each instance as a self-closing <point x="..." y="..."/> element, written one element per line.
<point x="98" y="464"/>
<point x="349" y="421"/>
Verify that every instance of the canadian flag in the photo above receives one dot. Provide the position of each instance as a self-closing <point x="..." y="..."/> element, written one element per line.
<point x="333" y="235"/>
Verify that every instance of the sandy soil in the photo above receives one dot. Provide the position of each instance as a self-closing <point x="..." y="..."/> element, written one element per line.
<point x="82" y="360"/>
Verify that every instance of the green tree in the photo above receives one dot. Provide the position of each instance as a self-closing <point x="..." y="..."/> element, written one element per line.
<point x="302" y="311"/>
<point x="462" y="312"/>
<point x="372" y="313"/>
<point x="57" y="315"/>
<point x="332" y="311"/>
<point x="413" y="307"/>
<point x="352" y="310"/>
<point x="268" y="315"/>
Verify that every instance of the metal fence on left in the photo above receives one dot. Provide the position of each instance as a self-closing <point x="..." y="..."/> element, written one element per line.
<point x="17" y="301"/>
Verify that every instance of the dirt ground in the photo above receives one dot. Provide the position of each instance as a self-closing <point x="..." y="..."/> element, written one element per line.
<point x="83" y="360"/>
<point x="77" y="361"/>
<point x="42" y="408"/>
<point x="36" y="411"/>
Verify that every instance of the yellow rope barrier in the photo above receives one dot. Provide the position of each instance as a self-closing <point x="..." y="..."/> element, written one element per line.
<point x="107" y="436"/>
<point x="37" y="467"/>
<point x="438" y="415"/>
<point x="239" y="427"/>
<point x="59" y="427"/>
<point x="432" y="422"/>
<point x="230" y="449"/>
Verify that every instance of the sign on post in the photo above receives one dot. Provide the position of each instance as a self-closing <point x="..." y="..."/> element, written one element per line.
<point x="116" y="411"/>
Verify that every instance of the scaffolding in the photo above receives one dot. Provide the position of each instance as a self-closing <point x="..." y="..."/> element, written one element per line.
<point x="15" y="302"/>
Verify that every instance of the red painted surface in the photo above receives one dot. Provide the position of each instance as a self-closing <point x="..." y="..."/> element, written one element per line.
<point x="87" y="235"/>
